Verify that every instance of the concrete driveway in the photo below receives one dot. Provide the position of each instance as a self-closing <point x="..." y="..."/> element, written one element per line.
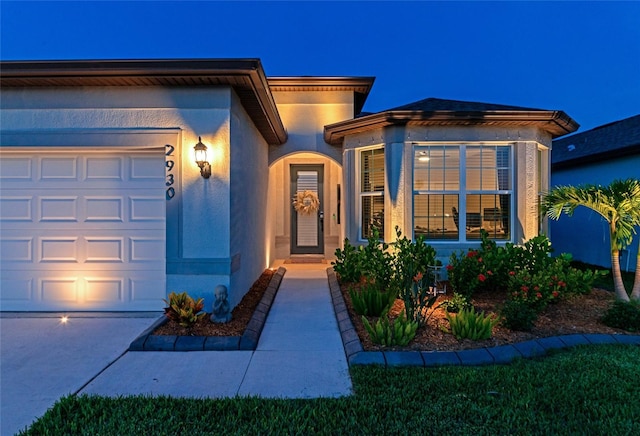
<point x="42" y="359"/>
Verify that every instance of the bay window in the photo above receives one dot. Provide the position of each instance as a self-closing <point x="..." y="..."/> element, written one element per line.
<point x="460" y="190"/>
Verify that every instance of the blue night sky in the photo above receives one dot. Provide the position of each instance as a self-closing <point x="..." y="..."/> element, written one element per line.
<point x="580" y="57"/>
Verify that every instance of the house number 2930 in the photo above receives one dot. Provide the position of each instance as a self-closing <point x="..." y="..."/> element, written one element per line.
<point x="170" y="179"/>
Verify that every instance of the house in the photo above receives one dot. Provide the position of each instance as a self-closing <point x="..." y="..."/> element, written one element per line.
<point x="124" y="180"/>
<point x="596" y="156"/>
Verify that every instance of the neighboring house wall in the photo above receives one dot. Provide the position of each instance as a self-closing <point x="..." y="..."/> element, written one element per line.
<point x="586" y="235"/>
<point x="529" y="164"/>
<point x="199" y="248"/>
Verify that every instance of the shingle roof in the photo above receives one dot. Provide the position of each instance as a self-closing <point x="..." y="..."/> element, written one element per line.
<point x="611" y="140"/>
<point x="439" y="112"/>
<point x="438" y="104"/>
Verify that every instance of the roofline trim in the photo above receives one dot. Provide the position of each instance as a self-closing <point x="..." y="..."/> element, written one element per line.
<point x="43" y="72"/>
<point x="334" y="133"/>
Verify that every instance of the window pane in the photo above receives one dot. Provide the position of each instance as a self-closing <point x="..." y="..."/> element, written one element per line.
<point x="372" y="215"/>
<point x="435" y="216"/>
<point x="372" y="170"/>
<point x="488" y="168"/>
<point x="490" y="212"/>
<point x="436" y="168"/>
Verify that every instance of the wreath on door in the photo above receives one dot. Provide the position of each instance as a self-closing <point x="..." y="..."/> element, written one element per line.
<point x="306" y="202"/>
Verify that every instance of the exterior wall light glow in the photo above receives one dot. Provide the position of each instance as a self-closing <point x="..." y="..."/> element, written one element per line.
<point x="200" y="151"/>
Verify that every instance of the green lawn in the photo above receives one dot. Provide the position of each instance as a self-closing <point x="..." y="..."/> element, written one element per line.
<point x="586" y="390"/>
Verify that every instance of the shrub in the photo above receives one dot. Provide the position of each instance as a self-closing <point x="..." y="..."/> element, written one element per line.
<point x="623" y="315"/>
<point x="418" y="299"/>
<point x="347" y="263"/>
<point x="183" y="309"/>
<point x="558" y="280"/>
<point x="468" y="324"/>
<point x="369" y="300"/>
<point x="456" y="303"/>
<point x="400" y="333"/>
<point x="411" y="258"/>
<point x="466" y="272"/>
<point x="376" y="262"/>
<point x="518" y="315"/>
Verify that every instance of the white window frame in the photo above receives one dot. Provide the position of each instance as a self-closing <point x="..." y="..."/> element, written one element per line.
<point x="463" y="191"/>
<point x="360" y="194"/>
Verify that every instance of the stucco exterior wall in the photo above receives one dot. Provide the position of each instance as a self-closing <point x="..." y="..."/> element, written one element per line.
<point x="585" y="235"/>
<point x="201" y="257"/>
<point x="530" y="175"/>
<point x="249" y="199"/>
<point x="304" y="115"/>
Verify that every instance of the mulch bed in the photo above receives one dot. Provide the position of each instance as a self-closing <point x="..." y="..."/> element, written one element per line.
<point x="580" y="314"/>
<point x="240" y="316"/>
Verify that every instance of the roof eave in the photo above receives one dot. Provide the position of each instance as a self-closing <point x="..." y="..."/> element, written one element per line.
<point x="257" y="99"/>
<point x="557" y="123"/>
<point x="360" y="86"/>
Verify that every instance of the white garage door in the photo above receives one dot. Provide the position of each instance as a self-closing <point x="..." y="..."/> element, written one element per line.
<point x="82" y="231"/>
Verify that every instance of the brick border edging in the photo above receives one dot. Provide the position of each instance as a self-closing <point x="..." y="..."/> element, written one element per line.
<point x="247" y="342"/>
<point x="479" y="356"/>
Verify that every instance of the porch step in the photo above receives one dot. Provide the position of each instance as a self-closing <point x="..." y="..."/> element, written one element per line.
<point x="306" y="258"/>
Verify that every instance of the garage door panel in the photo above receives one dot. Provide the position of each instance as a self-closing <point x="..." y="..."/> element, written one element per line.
<point x="16" y="208"/>
<point x="17" y="249"/>
<point x="58" y="208"/>
<point x="61" y="169"/>
<point x="107" y="250"/>
<point x="95" y="171"/>
<point x="105" y="169"/>
<point x="87" y="209"/>
<point x="67" y="290"/>
<point x="16" y="169"/>
<point x="147" y="209"/>
<point x="82" y="232"/>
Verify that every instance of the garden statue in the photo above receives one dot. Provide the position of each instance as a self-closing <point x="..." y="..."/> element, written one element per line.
<point x="221" y="308"/>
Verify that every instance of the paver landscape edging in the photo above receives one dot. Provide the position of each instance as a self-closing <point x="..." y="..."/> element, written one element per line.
<point x="248" y="341"/>
<point x="356" y="355"/>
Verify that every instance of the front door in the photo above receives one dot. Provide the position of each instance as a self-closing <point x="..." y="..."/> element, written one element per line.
<point x="307" y="216"/>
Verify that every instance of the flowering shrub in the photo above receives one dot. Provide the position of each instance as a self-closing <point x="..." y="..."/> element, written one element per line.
<point x="467" y="272"/>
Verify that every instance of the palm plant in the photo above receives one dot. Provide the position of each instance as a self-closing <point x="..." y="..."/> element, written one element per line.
<point x="618" y="204"/>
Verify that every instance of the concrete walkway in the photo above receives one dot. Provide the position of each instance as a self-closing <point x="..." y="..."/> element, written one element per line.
<point x="299" y="355"/>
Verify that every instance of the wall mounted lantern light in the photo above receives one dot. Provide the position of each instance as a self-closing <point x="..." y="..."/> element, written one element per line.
<point x="200" y="151"/>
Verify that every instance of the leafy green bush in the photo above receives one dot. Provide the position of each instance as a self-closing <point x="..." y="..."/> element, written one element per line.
<point x="466" y="272"/>
<point x="347" y="263"/>
<point x="456" y="303"/>
<point x="411" y="258"/>
<point x="468" y="324"/>
<point x="400" y="333"/>
<point x="518" y="315"/>
<point x="183" y="309"/>
<point x="558" y="280"/>
<point x="369" y="300"/>
<point x="623" y="315"/>
<point x="376" y="262"/>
